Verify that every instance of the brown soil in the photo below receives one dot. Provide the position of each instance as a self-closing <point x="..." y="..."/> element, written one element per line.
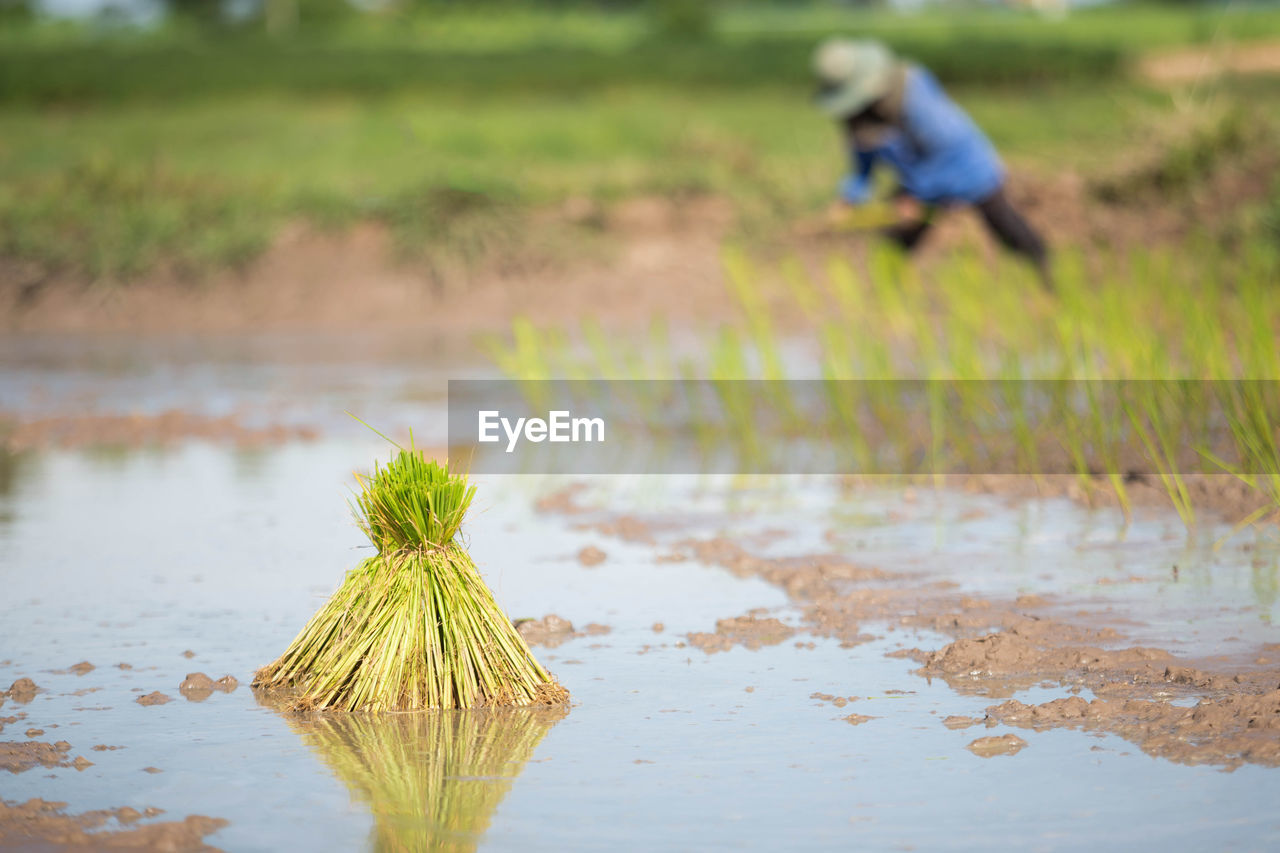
<point x="591" y="556"/>
<point x="562" y="501"/>
<point x="838" y="701"/>
<point x="753" y="631"/>
<point x="154" y="698"/>
<point x="1195" y="64"/>
<point x="20" y="756"/>
<point x="956" y="722"/>
<point x="666" y="255"/>
<point x="1194" y="712"/>
<point x="82" y="668"/>
<point x="988" y="747"/>
<point x="664" y="261"/>
<point x="552" y="630"/>
<point x="41" y="825"/>
<point x="197" y="686"/>
<point x="137" y="430"/>
<point x="1234" y="729"/>
<point x="21" y="691"/>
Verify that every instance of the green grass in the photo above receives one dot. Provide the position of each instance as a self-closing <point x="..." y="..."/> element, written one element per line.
<point x="126" y="154"/>
<point x="413" y="627"/>
<point x="164" y="71"/>
<point x="113" y="191"/>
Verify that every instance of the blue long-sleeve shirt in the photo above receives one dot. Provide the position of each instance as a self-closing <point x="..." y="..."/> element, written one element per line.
<point x="939" y="154"/>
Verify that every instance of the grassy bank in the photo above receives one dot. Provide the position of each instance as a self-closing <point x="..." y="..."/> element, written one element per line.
<point x="74" y="74"/>
<point x="112" y="192"/>
<point x="122" y="154"/>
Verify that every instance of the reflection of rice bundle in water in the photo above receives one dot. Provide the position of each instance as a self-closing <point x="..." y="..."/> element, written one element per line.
<point x="432" y="781"/>
<point x="414" y="626"/>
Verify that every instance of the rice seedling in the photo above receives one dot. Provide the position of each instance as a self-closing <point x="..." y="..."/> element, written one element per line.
<point x="1103" y="381"/>
<point x="414" y="626"/>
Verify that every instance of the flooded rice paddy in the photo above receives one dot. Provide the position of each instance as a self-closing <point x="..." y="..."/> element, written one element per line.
<point x="724" y="706"/>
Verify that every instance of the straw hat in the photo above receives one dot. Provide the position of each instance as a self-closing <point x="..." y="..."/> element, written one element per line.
<point x="852" y="74"/>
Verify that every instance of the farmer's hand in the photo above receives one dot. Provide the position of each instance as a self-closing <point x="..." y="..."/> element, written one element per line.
<point x="908" y="209"/>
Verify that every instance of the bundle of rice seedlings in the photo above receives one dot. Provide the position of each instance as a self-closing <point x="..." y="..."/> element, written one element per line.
<point x="431" y="781"/>
<point x="414" y="626"/>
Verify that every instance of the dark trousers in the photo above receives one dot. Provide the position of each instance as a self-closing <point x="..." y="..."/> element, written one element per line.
<point x="1002" y="220"/>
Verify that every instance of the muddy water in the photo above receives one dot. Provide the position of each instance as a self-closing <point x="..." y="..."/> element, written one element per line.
<point x="307" y="379"/>
<point x="136" y="558"/>
<point x="207" y="556"/>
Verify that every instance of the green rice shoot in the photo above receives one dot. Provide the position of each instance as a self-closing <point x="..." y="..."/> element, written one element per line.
<point x="413" y="627"/>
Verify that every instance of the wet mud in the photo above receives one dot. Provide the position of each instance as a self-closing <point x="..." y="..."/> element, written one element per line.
<point x="1213" y="712"/>
<point x="551" y="630"/>
<point x="841" y="671"/>
<point x="752" y="631"/>
<point x="40" y="825"/>
<point x="989" y="747"/>
<point x="63" y="431"/>
<point x="197" y="686"/>
<point x="21" y="756"/>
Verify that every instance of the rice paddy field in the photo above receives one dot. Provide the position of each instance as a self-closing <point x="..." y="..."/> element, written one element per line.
<point x="942" y="558"/>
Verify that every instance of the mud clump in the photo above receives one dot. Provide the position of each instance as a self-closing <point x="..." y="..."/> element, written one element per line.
<point x="153" y="698"/>
<point x="552" y="630"/>
<point x="989" y="747"/>
<point x="82" y="668"/>
<point x="809" y="578"/>
<point x="22" y="691"/>
<point x="1012" y="656"/>
<point x="591" y="556"/>
<point x="838" y="701"/>
<point x="753" y="631"/>
<point x="197" y="686"/>
<point x="857" y="719"/>
<point x="1228" y="730"/>
<point x="628" y="528"/>
<point x="19" y="756"/>
<point x="562" y="501"/>
<point x="38" y="825"/>
<point x="957" y="722"/>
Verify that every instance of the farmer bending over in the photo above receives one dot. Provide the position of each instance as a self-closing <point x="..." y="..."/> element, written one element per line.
<point x="894" y="111"/>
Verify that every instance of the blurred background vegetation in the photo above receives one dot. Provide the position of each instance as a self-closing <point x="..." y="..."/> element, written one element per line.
<point x="187" y="132"/>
